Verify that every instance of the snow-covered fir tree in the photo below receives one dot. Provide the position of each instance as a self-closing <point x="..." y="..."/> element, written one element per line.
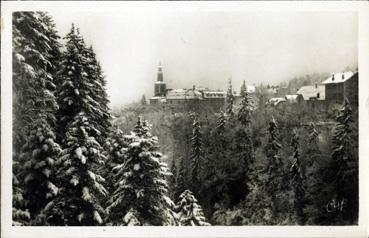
<point x="313" y="134"/>
<point x="243" y="88"/>
<point x="189" y="212"/>
<point x="81" y="188"/>
<point x="82" y="87"/>
<point x="55" y="53"/>
<point x="229" y="99"/>
<point x="39" y="154"/>
<point x="297" y="179"/>
<point x="98" y="94"/>
<point x="344" y="165"/>
<point x="35" y="52"/>
<point x="72" y="82"/>
<point x="116" y="147"/>
<point x="274" y="166"/>
<point x="246" y="107"/>
<point x="221" y="122"/>
<point x="173" y="178"/>
<point x="196" y="151"/>
<point x="181" y="183"/>
<point x="244" y="117"/>
<point x="20" y="214"/>
<point x="33" y="83"/>
<point x="140" y="194"/>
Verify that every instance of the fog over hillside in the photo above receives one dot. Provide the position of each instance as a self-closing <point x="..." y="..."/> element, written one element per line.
<point x="206" y="48"/>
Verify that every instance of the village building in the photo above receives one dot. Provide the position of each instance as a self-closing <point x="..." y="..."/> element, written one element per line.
<point x="294" y="98"/>
<point x="342" y="85"/>
<point x="276" y="102"/>
<point x="195" y="95"/>
<point x="312" y="92"/>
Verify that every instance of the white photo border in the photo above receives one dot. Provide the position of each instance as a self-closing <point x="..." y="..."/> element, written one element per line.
<point x="7" y="230"/>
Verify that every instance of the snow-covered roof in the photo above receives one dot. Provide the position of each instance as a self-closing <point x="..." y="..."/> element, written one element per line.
<point x="250" y="88"/>
<point x="339" y="77"/>
<point x="291" y="97"/>
<point x="276" y="101"/>
<point x="184" y="94"/>
<point x="312" y="92"/>
<point x="214" y="94"/>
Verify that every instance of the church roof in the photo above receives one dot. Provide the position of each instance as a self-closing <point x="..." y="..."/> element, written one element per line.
<point x="184" y="94"/>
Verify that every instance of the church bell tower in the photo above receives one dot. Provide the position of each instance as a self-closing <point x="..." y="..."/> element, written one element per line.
<point x="160" y="86"/>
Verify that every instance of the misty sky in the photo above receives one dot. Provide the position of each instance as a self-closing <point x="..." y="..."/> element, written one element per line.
<point x="206" y="48"/>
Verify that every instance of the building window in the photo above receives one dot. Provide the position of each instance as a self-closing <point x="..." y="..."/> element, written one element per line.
<point x="318" y="95"/>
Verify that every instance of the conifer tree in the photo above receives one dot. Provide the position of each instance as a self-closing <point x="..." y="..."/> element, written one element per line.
<point x="244" y="117"/>
<point x="229" y="99"/>
<point x="246" y="107"/>
<point x="196" y="151"/>
<point x="72" y="90"/>
<point x="313" y="134"/>
<point x="35" y="52"/>
<point x="275" y="167"/>
<point x="316" y="183"/>
<point x="221" y="121"/>
<point x="143" y="100"/>
<point x="173" y="179"/>
<point x="55" y="53"/>
<point x="81" y="188"/>
<point x="243" y="88"/>
<point x="344" y="166"/>
<point x="116" y="146"/>
<point x="313" y="149"/>
<point x="140" y="194"/>
<point x="181" y="183"/>
<point x="82" y="87"/>
<point x="297" y="180"/>
<point x="20" y="213"/>
<point x="98" y="94"/>
<point x="39" y="154"/>
<point x="189" y="211"/>
<point x="33" y="83"/>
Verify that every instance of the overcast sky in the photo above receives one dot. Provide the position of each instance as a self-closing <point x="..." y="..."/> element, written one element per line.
<point x="206" y="48"/>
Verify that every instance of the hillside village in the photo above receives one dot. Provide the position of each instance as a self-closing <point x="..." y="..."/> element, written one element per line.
<point x="333" y="89"/>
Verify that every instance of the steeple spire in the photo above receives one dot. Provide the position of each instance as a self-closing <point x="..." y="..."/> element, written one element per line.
<point x="160" y="73"/>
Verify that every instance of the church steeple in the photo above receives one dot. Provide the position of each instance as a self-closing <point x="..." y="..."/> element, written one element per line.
<point x="160" y="73"/>
<point x="160" y="86"/>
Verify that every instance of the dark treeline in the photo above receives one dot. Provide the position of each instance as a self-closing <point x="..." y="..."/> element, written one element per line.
<point x="74" y="165"/>
<point x="256" y="164"/>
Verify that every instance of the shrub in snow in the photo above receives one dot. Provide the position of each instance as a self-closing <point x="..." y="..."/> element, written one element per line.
<point x="189" y="212"/>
